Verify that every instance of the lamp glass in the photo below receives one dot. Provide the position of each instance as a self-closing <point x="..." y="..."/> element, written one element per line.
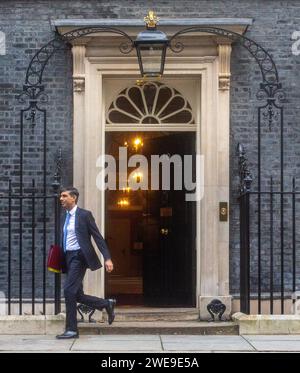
<point x="151" y="59"/>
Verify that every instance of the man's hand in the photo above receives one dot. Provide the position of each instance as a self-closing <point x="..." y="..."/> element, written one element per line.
<point x="109" y="266"/>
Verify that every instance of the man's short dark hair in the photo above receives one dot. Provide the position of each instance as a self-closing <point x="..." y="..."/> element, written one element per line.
<point x="72" y="191"/>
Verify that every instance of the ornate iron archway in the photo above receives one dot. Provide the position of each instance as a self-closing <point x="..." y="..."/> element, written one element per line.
<point x="34" y="95"/>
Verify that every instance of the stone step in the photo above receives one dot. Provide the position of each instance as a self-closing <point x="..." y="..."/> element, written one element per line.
<point x="154" y="314"/>
<point x="160" y="327"/>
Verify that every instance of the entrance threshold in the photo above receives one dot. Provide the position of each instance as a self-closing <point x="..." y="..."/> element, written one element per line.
<point x="128" y="313"/>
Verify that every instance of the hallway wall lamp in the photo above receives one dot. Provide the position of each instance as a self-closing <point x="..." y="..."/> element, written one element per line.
<point x="123" y="202"/>
<point x="135" y="144"/>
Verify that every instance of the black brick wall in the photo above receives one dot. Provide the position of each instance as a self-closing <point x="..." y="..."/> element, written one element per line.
<point x="27" y="27"/>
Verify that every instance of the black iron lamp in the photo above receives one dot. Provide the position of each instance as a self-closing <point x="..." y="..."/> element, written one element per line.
<point x="151" y="45"/>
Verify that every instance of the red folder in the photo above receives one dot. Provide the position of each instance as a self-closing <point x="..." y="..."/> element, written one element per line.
<point x="54" y="262"/>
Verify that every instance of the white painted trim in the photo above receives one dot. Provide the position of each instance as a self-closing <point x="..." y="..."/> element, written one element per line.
<point x="212" y="118"/>
<point x="130" y="128"/>
<point x="134" y="22"/>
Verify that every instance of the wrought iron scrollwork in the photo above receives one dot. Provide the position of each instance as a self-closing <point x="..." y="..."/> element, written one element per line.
<point x="176" y="46"/>
<point x="270" y="88"/>
<point x="274" y="96"/>
<point x="33" y="83"/>
<point x="34" y="74"/>
<point x="272" y="92"/>
<point x="262" y="57"/>
<point x="58" y="170"/>
<point x="245" y="174"/>
<point x="31" y="116"/>
<point x="216" y="308"/>
<point x="83" y="309"/>
<point x="34" y="94"/>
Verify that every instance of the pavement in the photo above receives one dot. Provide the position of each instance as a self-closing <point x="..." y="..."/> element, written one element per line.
<point x="150" y="343"/>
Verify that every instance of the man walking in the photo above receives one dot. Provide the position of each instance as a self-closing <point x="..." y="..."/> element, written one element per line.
<point x="78" y="254"/>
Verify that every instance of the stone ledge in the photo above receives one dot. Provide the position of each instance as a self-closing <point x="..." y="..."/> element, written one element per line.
<point x="267" y="324"/>
<point x="119" y="22"/>
<point x="160" y="327"/>
<point x="28" y="324"/>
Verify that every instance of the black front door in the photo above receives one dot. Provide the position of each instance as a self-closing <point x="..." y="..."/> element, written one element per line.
<point x="169" y="232"/>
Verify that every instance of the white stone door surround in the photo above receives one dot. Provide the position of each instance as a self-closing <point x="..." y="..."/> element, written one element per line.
<point x="209" y="62"/>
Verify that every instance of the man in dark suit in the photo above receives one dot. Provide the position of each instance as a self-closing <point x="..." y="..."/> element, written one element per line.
<point x="79" y="254"/>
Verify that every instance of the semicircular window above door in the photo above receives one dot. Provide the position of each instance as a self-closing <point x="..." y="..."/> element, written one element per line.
<point x="153" y="103"/>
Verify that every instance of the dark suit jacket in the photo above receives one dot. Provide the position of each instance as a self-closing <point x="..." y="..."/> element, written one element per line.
<point x="85" y="227"/>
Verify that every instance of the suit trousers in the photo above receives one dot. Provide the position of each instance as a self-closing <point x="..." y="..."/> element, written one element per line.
<point x="73" y="289"/>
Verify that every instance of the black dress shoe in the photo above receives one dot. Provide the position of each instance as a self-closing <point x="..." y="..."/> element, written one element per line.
<point x="110" y="310"/>
<point x="68" y="334"/>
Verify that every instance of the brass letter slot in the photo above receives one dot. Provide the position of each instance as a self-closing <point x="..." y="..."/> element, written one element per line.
<point x="223" y="211"/>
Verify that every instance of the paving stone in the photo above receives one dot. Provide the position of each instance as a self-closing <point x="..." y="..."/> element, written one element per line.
<point x="150" y="343"/>
<point x="33" y="343"/>
<point x="114" y="337"/>
<point x="287" y="337"/>
<point x="194" y="343"/>
<point x="102" y="344"/>
<point x="277" y="345"/>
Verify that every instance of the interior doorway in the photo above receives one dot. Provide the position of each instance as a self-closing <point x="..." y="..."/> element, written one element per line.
<point x="152" y="233"/>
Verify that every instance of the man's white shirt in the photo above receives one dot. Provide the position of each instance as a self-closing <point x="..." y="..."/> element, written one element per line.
<point x="72" y="243"/>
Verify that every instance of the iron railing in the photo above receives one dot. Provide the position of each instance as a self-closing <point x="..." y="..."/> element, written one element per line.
<point x="269" y="254"/>
<point x="27" y="231"/>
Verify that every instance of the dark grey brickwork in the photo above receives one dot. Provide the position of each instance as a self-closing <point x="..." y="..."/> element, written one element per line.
<point x="27" y="28"/>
